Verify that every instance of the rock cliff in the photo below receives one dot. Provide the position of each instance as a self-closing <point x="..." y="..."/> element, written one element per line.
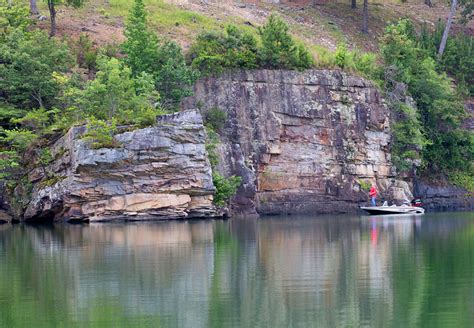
<point x="303" y="142"/>
<point x="444" y="197"/>
<point x="157" y="172"/>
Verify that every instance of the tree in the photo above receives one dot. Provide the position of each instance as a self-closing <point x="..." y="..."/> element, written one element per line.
<point x="365" y="27"/>
<point x="449" y="147"/>
<point x="114" y="93"/>
<point x="173" y="78"/>
<point x="52" y="10"/>
<point x="353" y="4"/>
<point x="28" y="61"/>
<point x="164" y="60"/>
<point x="141" y="44"/>
<point x="279" y="50"/>
<point x="33" y="8"/>
<point x="444" y="39"/>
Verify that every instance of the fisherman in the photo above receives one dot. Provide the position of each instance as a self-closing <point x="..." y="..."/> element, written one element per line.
<point x="373" y="195"/>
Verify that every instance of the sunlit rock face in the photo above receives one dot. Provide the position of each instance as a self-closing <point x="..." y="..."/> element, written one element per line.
<point x="301" y="140"/>
<point x="157" y="172"/>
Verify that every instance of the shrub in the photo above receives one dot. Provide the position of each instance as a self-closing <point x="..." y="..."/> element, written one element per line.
<point x="36" y="120"/>
<point x="279" y="49"/>
<point x="86" y="54"/>
<point x="366" y="64"/>
<point x="211" y="147"/>
<point x="114" y="93"/>
<point x="100" y="134"/>
<point x="225" y="188"/>
<point x="212" y="52"/>
<point x="17" y="139"/>
<point x="215" y="118"/>
<point x="409" y="140"/>
<point x="341" y="55"/>
<point x="13" y="16"/>
<point x="364" y="185"/>
<point x="9" y="163"/>
<point x="463" y="179"/>
<point x="9" y="113"/>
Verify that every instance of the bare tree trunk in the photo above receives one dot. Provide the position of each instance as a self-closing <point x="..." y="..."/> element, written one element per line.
<point x="444" y="39"/>
<point x="429" y="3"/>
<point x="365" y="27"/>
<point x="33" y="8"/>
<point x="52" y="14"/>
<point x="354" y="4"/>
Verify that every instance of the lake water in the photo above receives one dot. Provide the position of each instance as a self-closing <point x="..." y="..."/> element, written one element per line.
<point x="286" y="271"/>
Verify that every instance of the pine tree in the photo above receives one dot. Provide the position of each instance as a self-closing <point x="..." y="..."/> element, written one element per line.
<point x="141" y="45"/>
<point x="164" y="60"/>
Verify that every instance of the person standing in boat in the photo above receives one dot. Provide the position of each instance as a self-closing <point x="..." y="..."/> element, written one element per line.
<point x="373" y="195"/>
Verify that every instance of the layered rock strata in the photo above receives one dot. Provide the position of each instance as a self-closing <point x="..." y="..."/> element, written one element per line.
<point x="303" y="142"/>
<point x="161" y="172"/>
<point x="444" y="197"/>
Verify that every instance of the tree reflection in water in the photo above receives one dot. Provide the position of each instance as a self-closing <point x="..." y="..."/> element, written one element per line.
<point x="279" y="271"/>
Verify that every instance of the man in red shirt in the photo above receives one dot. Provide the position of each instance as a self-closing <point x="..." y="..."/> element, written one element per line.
<point x="373" y="195"/>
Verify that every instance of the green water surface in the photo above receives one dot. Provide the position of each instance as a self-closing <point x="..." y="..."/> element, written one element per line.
<point x="285" y="271"/>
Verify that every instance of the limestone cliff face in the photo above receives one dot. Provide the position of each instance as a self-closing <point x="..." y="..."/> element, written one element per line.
<point x="157" y="172"/>
<point x="301" y="141"/>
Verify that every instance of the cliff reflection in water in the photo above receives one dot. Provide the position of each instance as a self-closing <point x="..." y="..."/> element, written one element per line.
<point x="280" y="272"/>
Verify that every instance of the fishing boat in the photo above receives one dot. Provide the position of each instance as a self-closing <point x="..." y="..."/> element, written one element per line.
<point x="393" y="209"/>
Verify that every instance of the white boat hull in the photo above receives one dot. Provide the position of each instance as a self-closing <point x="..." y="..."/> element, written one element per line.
<point x="381" y="210"/>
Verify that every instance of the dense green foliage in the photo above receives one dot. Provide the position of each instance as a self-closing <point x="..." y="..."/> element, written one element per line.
<point x="28" y="60"/>
<point x="11" y="18"/>
<point x="114" y="93"/>
<point x="213" y="52"/>
<point x="161" y="59"/>
<point x="225" y="188"/>
<point x="141" y="44"/>
<point x="448" y="147"/>
<point x="279" y="49"/>
<point x="215" y="118"/>
<point x="276" y="49"/>
<point x="100" y="133"/>
<point x="362" y="63"/>
<point x="408" y="136"/>
<point x="458" y="57"/>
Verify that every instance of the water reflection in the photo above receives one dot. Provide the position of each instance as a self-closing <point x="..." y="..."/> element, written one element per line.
<point x="280" y="272"/>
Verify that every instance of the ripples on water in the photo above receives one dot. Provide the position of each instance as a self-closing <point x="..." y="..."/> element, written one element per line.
<point x="272" y="272"/>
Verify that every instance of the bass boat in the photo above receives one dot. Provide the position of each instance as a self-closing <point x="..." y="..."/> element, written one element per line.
<point x="384" y="209"/>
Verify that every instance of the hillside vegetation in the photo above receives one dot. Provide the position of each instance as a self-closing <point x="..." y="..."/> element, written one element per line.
<point x="116" y="64"/>
<point x="320" y="27"/>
